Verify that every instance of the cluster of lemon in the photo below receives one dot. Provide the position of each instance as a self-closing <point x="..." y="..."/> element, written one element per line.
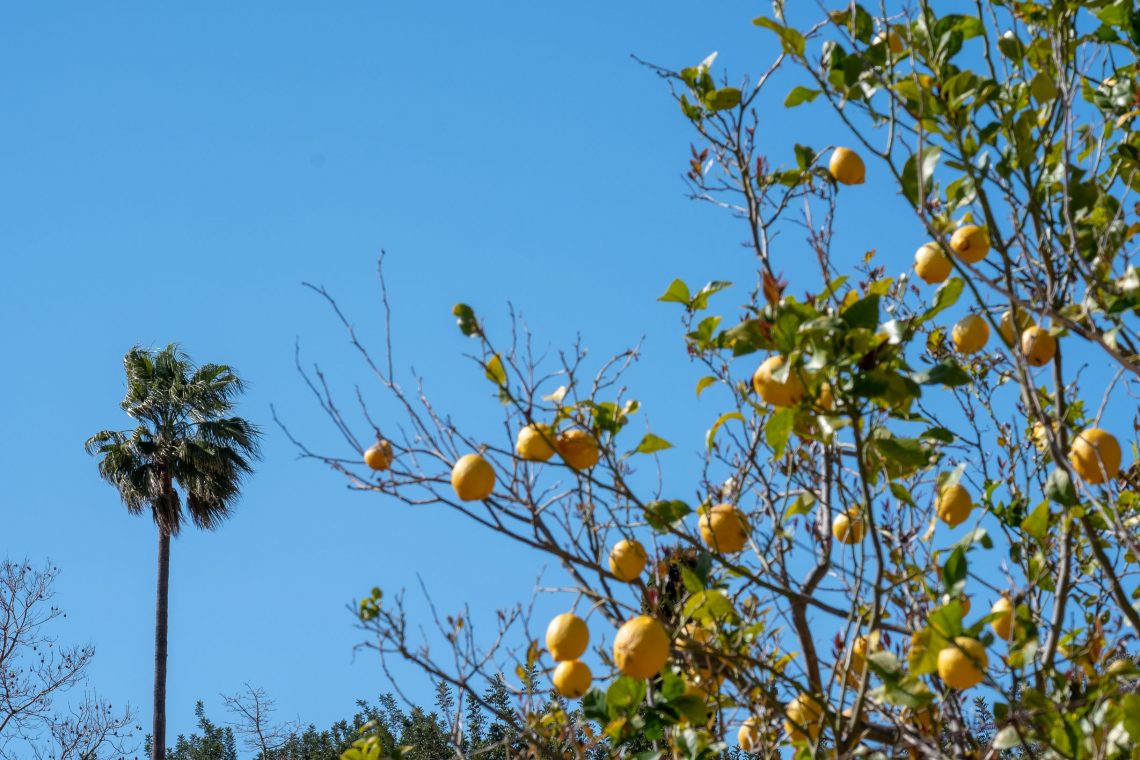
<point x="962" y="665"/>
<point x="641" y="649"/>
<point x="970" y="244"/>
<point x="472" y="476"/>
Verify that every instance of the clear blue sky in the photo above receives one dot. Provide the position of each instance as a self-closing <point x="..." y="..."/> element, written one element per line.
<point x="173" y="172"/>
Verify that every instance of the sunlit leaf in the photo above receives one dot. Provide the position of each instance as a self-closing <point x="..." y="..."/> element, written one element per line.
<point x="704" y="382"/>
<point x="800" y="94"/>
<point x="710" y="437"/>
<point x="651" y="443"/>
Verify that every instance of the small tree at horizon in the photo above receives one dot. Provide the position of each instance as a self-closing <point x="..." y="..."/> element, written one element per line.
<point x="38" y="672"/>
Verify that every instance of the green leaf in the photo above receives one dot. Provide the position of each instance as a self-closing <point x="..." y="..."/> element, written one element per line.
<point x="805" y="156"/>
<point x="703" y="335"/>
<point x="662" y="514"/>
<point x="495" y="372"/>
<point x="947" y="372"/>
<point x="923" y="656"/>
<point x="954" y="571"/>
<point x="710" y="606"/>
<point x="692" y="581"/>
<point x="1130" y="706"/>
<point x="745" y="338"/>
<point x="1115" y="14"/>
<point x="910" y="175"/>
<point x="692" y="707"/>
<point x="801" y="506"/>
<point x="902" y="493"/>
<point x="468" y="324"/>
<point x="907" y="691"/>
<point x="947" y="620"/>
<point x="1037" y="523"/>
<point x="863" y="313"/>
<point x="884" y="664"/>
<point x="672" y="686"/>
<point x="651" y="443"/>
<point x="703" y="383"/>
<point x="723" y="99"/>
<point x="976" y="536"/>
<point x="1011" y="47"/>
<point x="678" y="292"/>
<point x="710" y="437"/>
<point x="691" y="111"/>
<point x="905" y="451"/>
<point x="941" y="434"/>
<point x="625" y="694"/>
<point x="701" y="299"/>
<point x="594" y="706"/>
<point x="778" y="430"/>
<point x="945" y="297"/>
<point x="792" y="40"/>
<point x="1059" y="488"/>
<point x="800" y="94"/>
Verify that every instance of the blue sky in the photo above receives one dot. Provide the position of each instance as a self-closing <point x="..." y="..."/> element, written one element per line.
<point x="174" y="172"/>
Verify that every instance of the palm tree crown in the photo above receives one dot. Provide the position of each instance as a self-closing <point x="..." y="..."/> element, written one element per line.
<point x="185" y="436"/>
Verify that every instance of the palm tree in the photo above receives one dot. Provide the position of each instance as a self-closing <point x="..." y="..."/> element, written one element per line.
<point x="186" y="451"/>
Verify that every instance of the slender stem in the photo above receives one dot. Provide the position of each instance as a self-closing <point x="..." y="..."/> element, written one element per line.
<point x="161" y="607"/>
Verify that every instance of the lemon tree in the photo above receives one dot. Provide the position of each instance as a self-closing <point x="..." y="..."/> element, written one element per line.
<point x="875" y="460"/>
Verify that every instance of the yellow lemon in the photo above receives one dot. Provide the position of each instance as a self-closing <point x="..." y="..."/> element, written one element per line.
<point x="1007" y="329"/>
<point x="705" y="684"/>
<point x="572" y="678"/>
<point x="1040" y="436"/>
<point x="567" y="637"/>
<point x="535" y="443"/>
<point x="786" y="393"/>
<point x="641" y="647"/>
<point x="1038" y="346"/>
<point x="970" y="334"/>
<point x="748" y="736"/>
<point x="857" y="658"/>
<point x="970" y="243"/>
<point x="931" y="264"/>
<point x="846" y="167"/>
<point x="472" y="478"/>
<point x="724" y="528"/>
<point x="1095" y="455"/>
<point x="923" y="718"/>
<point x="893" y="40"/>
<point x="826" y="399"/>
<point x="379" y="456"/>
<point x="1120" y="668"/>
<point x="849" y="528"/>
<point x="627" y="559"/>
<point x="578" y="449"/>
<point x="696" y="633"/>
<point x="803" y="718"/>
<point x="1003" y="626"/>
<point x="963" y="664"/>
<point x="917" y="649"/>
<point x="954" y="505"/>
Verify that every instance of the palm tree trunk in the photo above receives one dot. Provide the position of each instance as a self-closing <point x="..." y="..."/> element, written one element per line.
<point x="162" y="598"/>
